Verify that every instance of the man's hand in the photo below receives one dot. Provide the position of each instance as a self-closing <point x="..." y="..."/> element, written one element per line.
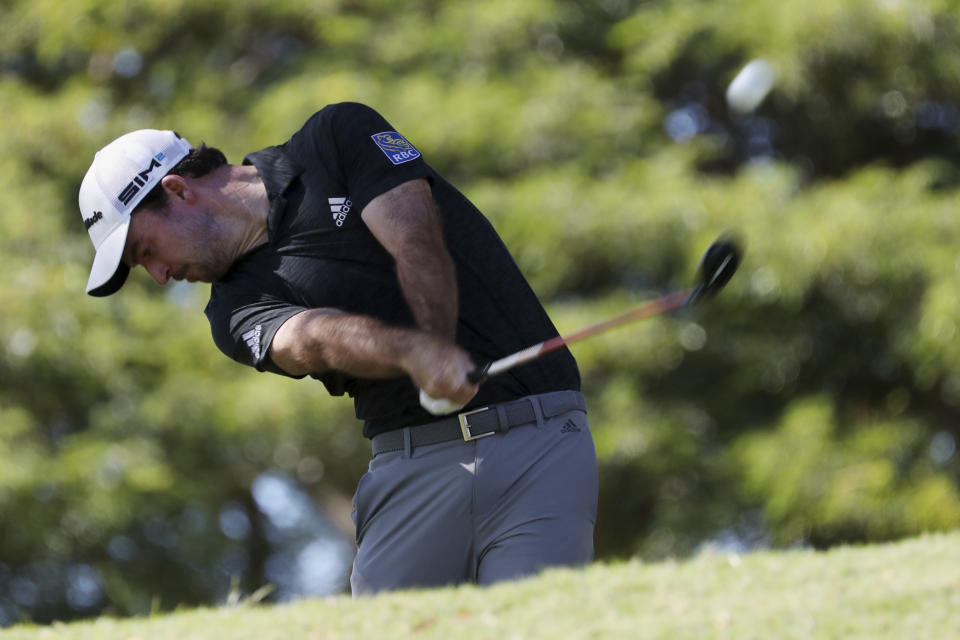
<point x="440" y="369"/>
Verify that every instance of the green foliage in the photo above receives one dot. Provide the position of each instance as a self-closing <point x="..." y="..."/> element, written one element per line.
<point x="819" y="485"/>
<point x="858" y="81"/>
<point x="814" y="402"/>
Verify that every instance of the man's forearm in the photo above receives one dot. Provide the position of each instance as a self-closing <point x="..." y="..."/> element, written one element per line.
<point x="429" y="284"/>
<point x="406" y="222"/>
<point x="319" y="340"/>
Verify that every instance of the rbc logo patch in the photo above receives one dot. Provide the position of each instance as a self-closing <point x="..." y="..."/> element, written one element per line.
<point x="395" y="146"/>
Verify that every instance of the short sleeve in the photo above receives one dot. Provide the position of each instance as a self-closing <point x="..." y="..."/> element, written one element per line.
<point x="372" y="156"/>
<point x="243" y="325"/>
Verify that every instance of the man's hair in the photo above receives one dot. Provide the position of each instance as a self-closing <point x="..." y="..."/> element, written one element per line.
<point x="199" y="162"/>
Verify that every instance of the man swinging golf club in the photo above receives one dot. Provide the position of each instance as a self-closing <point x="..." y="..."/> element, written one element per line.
<point x="342" y="255"/>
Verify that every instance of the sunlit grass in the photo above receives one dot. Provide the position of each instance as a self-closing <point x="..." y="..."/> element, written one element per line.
<point x="904" y="590"/>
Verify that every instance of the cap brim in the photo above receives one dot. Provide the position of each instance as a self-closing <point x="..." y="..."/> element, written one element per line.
<point x="109" y="271"/>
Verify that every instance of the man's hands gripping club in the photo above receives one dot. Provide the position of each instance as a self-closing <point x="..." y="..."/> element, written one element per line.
<point x="442" y="373"/>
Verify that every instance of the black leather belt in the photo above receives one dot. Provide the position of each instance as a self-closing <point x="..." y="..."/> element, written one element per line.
<point x="480" y="423"/>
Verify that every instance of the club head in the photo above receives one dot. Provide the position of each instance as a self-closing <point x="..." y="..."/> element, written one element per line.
<point x="717" y="266"/>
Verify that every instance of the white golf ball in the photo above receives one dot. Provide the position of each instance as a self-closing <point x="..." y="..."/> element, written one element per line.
<point x="751" y="86"/>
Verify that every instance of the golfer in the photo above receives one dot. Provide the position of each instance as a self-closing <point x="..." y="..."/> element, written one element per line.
<point x="342" y="255"/>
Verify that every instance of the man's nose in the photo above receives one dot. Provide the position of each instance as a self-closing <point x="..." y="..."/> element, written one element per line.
<point x="159" y="272"/>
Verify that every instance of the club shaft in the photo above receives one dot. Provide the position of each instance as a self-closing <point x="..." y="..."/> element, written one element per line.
<point x="646" y="310"/>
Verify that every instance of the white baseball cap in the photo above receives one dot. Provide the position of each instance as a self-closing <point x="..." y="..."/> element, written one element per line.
<point x="121" y="174"/>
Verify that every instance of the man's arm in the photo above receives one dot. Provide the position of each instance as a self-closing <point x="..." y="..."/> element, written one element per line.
<point x="318" y="340"/>
<point x="405" y="221"/>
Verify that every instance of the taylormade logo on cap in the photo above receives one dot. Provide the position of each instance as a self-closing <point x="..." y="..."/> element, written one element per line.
<point x="122" y="173"/>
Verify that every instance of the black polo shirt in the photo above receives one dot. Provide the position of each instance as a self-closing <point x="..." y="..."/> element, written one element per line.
<point x="320" y="254"/>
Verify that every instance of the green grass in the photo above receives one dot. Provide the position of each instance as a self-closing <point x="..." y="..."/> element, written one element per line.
<point x="897" y="591"/>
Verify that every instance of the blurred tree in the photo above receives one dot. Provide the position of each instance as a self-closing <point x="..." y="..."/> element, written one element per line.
<point x="814" y="402"/>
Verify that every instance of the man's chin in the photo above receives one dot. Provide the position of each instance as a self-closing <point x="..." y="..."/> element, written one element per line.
<point x="200" y="275"/>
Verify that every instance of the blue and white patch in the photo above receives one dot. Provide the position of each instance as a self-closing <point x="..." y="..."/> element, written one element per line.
<point x="395" y="147"/>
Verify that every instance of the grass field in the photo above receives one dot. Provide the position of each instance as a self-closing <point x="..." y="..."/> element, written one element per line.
<point x="898" y="591"/>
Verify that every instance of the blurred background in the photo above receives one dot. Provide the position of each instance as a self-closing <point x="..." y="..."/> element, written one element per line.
<point x="816" y="402"/>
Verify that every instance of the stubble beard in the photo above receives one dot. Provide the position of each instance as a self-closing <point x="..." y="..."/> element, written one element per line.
<point x="211" y="257"/>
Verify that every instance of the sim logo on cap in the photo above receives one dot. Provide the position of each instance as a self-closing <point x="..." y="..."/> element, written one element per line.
<point x="139" y="180"/>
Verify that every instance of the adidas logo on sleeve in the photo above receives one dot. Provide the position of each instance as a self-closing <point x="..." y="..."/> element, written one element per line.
<point x="339" y="207"/>
<point x="252" y="338"/>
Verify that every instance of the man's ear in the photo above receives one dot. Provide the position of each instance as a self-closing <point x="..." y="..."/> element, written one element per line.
<point x="177" y="187"/>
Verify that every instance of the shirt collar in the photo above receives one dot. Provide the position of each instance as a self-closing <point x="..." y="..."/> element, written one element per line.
<point x="278" y="172"/>
<point x="276" y="169"/>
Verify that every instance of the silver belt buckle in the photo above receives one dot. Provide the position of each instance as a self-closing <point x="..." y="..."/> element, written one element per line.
<point x="465" y="425"/>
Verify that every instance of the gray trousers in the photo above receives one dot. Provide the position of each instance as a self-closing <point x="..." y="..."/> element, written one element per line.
<point x="493" y="509"/>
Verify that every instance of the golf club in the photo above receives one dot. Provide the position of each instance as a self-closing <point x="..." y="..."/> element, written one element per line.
<point x="717" y="266"/>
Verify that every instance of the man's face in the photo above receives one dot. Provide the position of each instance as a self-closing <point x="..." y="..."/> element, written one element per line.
<point x="181" y="242"/>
